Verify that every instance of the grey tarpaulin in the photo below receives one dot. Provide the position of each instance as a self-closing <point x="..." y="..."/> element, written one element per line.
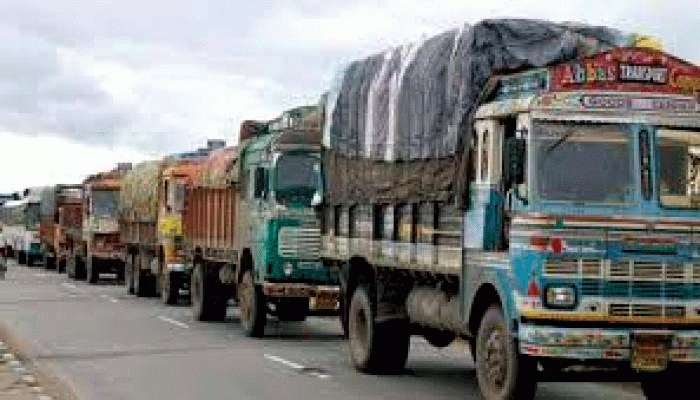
<point x="400" y="121"/>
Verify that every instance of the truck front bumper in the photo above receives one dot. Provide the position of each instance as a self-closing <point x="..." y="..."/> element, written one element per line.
<point x="321" y="297"/>
<point x="645" y="349"/>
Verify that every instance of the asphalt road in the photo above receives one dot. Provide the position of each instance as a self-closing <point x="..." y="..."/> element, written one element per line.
<point x="112" y="345"/>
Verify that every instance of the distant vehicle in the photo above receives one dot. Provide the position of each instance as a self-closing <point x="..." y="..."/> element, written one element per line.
<point x="100" y="249"/>
<point x="60" y="224"/>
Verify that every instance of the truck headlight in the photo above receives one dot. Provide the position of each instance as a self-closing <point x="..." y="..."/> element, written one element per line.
<point x="288" y="268"/>
<point x="560" y="296"/>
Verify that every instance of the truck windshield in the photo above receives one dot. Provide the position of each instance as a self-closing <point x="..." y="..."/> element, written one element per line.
<point x="679" y="163"/>
<point x="298" y="178"/>
<point x="582" y="162"/>
<point x="32" y="215"/>
<point x="105" y="202"/>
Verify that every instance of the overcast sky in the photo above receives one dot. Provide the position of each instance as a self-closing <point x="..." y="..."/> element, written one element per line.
<point x="85" y="84"/>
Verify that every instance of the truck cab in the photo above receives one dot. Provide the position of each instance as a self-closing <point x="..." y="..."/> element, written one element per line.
<point x="279" y="225"/>
<point x="171" y="273"/>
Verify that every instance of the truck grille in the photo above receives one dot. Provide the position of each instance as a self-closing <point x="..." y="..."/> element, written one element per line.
<point x="630" y="278"/>
<point x="299" y="243"/>
<point x="645" y="310"/>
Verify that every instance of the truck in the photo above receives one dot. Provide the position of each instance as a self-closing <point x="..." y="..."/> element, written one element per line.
<point x="535" y="198"/>
<point x="150" y="209"/>
<point x="151" y="206"/>
<point x="137" y="226"/>
<point x="59" y="215"/>
<point x="100" y="249"/>
<point x="253" y="233"/>
<point x="27" y="233"/>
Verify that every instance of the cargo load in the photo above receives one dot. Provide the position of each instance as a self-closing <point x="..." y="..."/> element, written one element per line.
<point x="413" y="105"/>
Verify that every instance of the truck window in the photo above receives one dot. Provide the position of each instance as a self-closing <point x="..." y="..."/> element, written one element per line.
<point x="260" y="183"/>
<point x="679" y="164"/>
<point x="583" y="162"/>
<point x="105" y="202"/>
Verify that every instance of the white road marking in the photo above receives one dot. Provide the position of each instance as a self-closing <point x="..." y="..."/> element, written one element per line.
<point x="104" y="296"/>
<point x="113" y="300"/>
<point x="173" y="321"/>
<point x="69" y="285"/>
<point x="293" y="365"/>
<point x="282" y="361"/>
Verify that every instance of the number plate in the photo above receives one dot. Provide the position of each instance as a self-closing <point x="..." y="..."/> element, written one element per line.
<point x="649" y="353"/>
<point x="323" y="303"/>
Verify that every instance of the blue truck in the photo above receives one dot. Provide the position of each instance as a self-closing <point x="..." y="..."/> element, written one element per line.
<point x="565" y="231"/>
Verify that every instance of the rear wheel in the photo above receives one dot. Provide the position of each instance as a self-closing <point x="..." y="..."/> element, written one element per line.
<point x="22" y="258"/>
<point x="674" y="383"/>
<point x="502" y="373"/>
<point x="375" y="347"/>
<point x="252" y="305"/>
<point x="92" y="272"/>
<point x="30" y="261"/>
<point x="168" y="288"/>
<point x="61" y="265"/>
<point x="208" y="303"/>
<point x="129" y="273"/>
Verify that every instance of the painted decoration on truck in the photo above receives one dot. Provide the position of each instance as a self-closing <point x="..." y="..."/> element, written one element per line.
<point x="170" y="225"/>
<point x="630" y="70"/>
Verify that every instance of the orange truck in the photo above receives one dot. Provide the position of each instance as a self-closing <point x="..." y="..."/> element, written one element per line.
<point x="151" y="205"/>
<point x="100" y="250"/>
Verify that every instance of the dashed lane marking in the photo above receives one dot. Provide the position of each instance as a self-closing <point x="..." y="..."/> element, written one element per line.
<point x="69" y="285"/>
<point x="173" y="321"/>
<point x="297" y="367"/>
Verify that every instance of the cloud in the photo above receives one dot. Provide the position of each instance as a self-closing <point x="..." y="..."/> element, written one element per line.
<point x="161" y="76"/>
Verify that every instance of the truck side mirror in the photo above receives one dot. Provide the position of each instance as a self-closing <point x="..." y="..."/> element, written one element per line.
<point x="516" y="158"/>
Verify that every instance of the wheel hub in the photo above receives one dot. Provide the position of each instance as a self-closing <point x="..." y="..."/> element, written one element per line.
<point x="495" y="359"/>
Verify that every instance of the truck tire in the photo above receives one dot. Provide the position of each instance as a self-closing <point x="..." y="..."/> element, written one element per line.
<point x="144" y="285"/>
<point x="22" y="257"/>
<point x="129" y="274"/>
<point x="674" y="383"/>
<point x="70" y="267"/>
<point x="207" y="303"/>
<point x="30" y="261"/>
<point x="61" y="266"/>
<point x="343" y="314"/>
<point x="169" y="289"/>
<point x="92" y="272"/>
<point x="252" y="305"/>
<point x="375" y="347"/>
<point x="501" y="372"/>
<point x="294" y="309"/>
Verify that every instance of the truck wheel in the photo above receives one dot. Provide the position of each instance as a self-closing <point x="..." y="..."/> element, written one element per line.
<point x="206" y="301"/>
<point x="674" y="383"/>
<point x="375" y="347"/>
<point x="129" y="275"/>
<point x="343" y="315"/>
<point x="22" y="258"/>
<point x="61" y="266"/>
<point x="92" y="273"/>
<point x="502" y="373"/>
<point x="70" y="267"/>
<point x="30" y="261"/>
<point x="168" y="289"/>
<point x="252" y="305"/>
<point x="293" y="309"/>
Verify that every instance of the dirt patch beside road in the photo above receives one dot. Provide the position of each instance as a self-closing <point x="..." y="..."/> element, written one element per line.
<point x="22" y="377"/>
